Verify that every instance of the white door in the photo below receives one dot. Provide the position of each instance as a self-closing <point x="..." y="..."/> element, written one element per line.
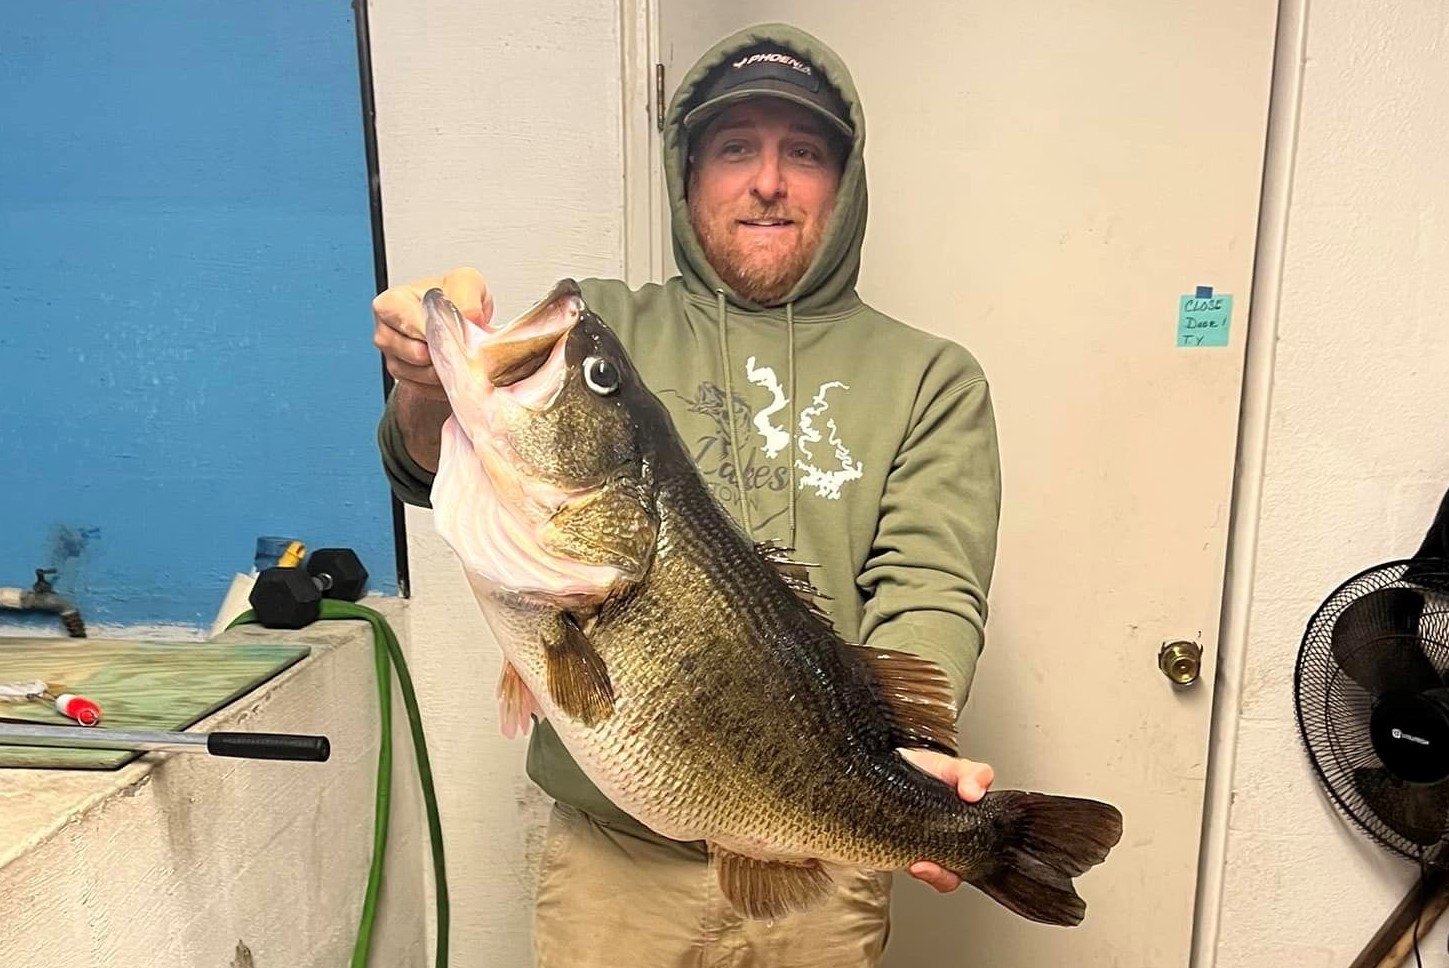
<point x="1048" y="181"/>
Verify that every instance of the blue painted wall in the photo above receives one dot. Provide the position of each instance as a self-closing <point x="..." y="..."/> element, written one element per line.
<point x="185" y="278"/>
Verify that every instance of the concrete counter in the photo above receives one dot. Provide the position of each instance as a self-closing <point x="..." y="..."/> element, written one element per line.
<point x="180" y="860"/>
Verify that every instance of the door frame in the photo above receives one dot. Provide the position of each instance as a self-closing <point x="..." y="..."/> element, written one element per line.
<point x="1254" y="413"/>
<point x="644" y="220"/>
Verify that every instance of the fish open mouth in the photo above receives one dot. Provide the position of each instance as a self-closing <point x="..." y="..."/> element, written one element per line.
<point x="509" y="363"/>
<point x="520" y="348"/>
<point x="509" y="354"/>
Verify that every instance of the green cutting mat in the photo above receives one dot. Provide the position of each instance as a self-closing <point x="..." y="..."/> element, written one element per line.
<point x="138" y="685"/>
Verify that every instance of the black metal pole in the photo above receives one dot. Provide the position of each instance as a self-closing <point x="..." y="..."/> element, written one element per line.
<point x="379" y="256"/>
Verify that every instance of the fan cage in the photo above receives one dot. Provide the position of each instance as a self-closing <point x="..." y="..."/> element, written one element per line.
<point x="1333" y="710"/>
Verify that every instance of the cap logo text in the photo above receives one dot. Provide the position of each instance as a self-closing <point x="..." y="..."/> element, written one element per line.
<point x="785" y="59"/>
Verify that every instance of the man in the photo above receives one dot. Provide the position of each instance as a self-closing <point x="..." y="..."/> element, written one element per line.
<point x="864" y="444"/>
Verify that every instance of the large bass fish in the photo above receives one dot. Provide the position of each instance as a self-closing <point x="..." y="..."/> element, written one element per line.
<point x="685" y="667"/>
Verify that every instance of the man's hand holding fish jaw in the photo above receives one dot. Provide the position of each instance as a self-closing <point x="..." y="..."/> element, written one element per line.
<point x="971" y="780"/>
<point x="399" y="323"/>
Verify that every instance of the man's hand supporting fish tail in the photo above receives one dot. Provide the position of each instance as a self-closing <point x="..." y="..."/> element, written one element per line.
<point x="971" y="780"/>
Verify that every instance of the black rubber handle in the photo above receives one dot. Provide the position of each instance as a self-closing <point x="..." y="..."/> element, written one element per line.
<point x="269" y="746"/>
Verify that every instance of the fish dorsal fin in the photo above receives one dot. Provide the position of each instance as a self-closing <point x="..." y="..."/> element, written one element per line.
<point x="918" y="697"/>
<point x="769" y="888"/>
<point x="796" y="575"/>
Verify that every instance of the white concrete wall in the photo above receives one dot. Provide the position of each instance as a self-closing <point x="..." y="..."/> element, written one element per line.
<point x="501" y="146"/>
<point x="1357" y="453"/>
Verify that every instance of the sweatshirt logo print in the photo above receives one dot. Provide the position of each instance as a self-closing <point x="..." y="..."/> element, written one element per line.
<point x="713" y="450"/>
<point x="776" y="438"/>
<point x="824" y="462"/>
<point x="826" y="482"/>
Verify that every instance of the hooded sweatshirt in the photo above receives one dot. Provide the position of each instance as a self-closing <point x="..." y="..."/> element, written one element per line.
<point x="863" y="443"/>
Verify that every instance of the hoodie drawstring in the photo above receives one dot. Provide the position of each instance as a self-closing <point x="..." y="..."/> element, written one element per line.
<point x="729" y="389"/>
<point x="790" y="390"/>
<point x="729" y="406"/>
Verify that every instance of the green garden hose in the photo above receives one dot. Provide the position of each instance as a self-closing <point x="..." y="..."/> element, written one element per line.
<point x="387" y="653"/>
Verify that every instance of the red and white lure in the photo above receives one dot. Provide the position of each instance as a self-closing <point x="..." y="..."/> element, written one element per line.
<point x="79" y="708"/>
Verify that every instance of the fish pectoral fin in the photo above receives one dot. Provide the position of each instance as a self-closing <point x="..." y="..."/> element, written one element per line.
<point x="609" y="526"/>
<point x="578" y="680"/>
<point x="516" y="705"/>
<point x="769" y="889"/>
<point x="918" y="697"/>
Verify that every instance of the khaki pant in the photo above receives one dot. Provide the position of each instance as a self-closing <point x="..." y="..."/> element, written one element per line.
<point x="607" y="899"/>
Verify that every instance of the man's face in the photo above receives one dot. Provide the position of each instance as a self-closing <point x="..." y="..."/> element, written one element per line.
<point x="762" y="187"/>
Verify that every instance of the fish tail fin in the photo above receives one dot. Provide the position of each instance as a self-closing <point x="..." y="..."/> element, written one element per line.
<point x="1045" y="841"/>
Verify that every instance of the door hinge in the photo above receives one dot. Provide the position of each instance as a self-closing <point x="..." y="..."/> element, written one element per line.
<point x="659" y="96"/>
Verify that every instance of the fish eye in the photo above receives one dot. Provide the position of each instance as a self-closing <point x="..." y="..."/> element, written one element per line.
<point x="601" y="376"/>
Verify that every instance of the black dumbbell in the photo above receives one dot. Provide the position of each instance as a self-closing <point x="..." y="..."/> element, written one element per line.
<point x="291" y="598"/>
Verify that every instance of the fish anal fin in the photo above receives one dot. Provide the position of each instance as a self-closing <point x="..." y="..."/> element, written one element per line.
<point x="918" y="696"/>
<point x="768" y="889"/>
<point x="578" y="680"/>
<point x="516" y="705"/>
<point x="796" y="576"/>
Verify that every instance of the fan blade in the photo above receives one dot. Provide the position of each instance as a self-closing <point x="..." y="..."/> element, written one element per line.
<point x="1416" y="811"/>
<point x="1373" y="642"/>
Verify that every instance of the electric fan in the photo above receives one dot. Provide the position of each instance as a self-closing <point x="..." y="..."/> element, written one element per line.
<point x="1372" y="697"/>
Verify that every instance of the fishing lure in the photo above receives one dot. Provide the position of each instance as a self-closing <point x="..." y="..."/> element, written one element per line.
<point x="84" y="711"/>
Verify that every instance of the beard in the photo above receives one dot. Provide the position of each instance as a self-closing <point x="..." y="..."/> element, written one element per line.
<point x="755" y="272"/>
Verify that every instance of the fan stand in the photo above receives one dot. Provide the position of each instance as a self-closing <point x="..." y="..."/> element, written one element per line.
<point x="1393" y="942"/>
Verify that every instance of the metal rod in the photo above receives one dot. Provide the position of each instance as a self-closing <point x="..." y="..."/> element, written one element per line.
<point x="259" y="746"/>
<point x="84" y="737"/>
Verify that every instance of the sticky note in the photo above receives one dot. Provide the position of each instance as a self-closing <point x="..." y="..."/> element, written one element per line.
<point x="1203" y="317"/>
